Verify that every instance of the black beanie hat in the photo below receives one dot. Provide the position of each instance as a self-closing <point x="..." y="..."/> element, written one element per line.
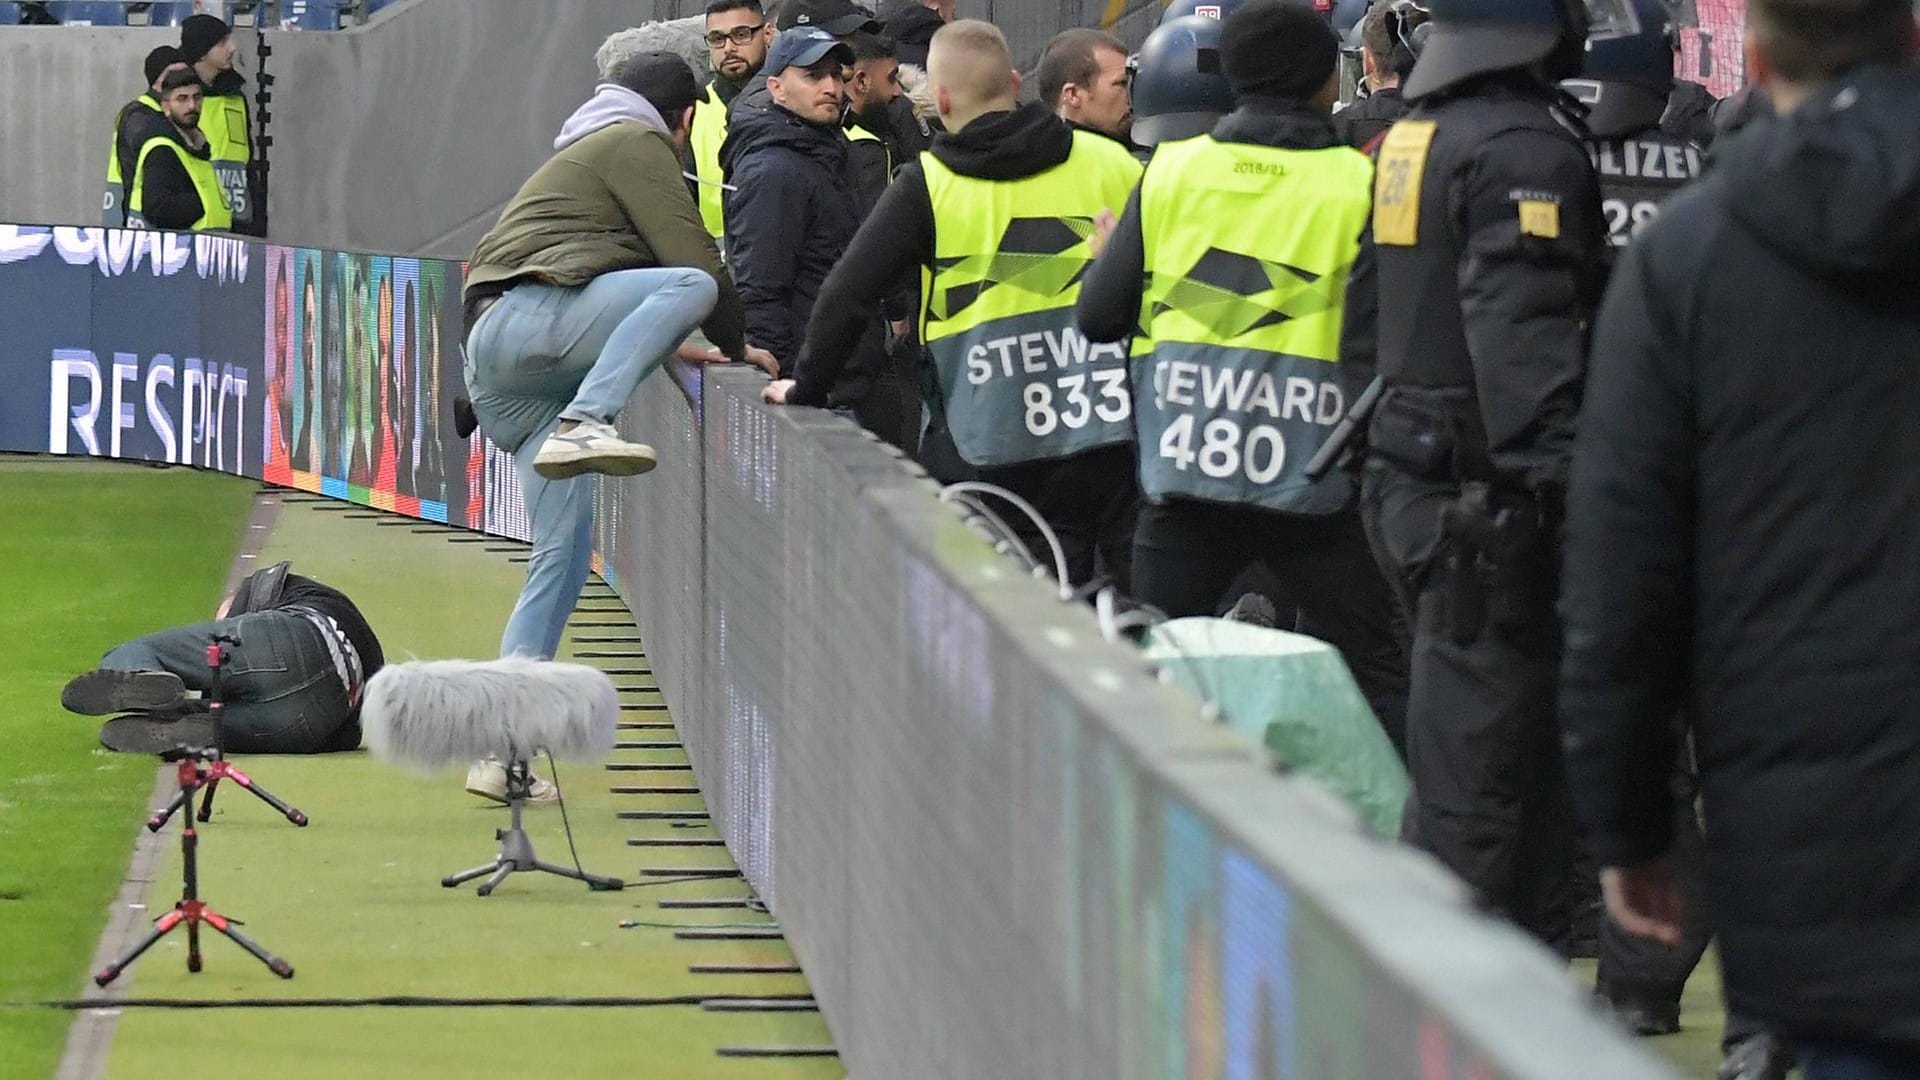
<point x="1278" y="48"/>
<point x="160" y="60"/>
<point x="199" y="34"/>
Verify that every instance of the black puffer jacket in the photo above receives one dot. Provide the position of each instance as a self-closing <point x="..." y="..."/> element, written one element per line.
<point x="1360" y="123"/>
<point x="793" y="212"/>
<point x="1744" y="542"/>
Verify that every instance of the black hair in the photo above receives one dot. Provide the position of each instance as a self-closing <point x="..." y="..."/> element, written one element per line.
<point x="174" y="80"/>
<point x="868" y="46"/>
<point x="721" y="7"/>
<point x="1812" y="41"/>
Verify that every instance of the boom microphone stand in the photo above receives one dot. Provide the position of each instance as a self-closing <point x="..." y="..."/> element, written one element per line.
<point x="516" y="849"/>
<point x="219" y="767"/>
<point x="194" y="768"/>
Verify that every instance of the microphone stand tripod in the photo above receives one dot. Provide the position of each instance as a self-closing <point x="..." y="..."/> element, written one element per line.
<point x="219" y="768"/>
<point x="191" y="911"/>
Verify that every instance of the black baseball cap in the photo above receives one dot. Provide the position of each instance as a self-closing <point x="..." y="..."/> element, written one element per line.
<point x="803" y="46"/>
<point x="663" y="78"/>
<point x="837" y="17"/>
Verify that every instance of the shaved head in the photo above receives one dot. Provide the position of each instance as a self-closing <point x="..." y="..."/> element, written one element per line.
<point x="970" y="70"/>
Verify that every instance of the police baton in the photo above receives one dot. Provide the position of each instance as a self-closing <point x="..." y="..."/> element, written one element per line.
<point x="1347" y="433"/>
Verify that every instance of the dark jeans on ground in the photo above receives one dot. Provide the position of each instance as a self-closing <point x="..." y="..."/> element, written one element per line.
<point x="1490" y="797"/>
<point x="1188" y="554"/>
<point x="280" y="691"/>
<point x="1850" y="1061"/>
<point x="1090" y="502"/>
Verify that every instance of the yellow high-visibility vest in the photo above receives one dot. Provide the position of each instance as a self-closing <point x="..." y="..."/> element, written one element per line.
<point x="213" y="207"/>
<point x="1248" y="249"/>
<point x="709" y="132"/>
<point x="223" y="120"/>
<point x="1016" y="379"/>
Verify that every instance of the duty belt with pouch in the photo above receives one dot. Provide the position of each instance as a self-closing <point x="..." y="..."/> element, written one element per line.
<point x="1420" y="432"/>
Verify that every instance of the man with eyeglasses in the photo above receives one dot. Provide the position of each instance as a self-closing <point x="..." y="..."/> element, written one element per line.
<point x="738" y="34"/>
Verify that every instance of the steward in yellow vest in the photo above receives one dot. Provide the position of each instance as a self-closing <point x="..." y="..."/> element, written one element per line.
<point x="1232" y="259"/>
<point x="175" y="185"/>
<point x="138" y="121"/>
<point x="207" y="43"/>
<point x="737" y="35"/>
<point x="999" y="219"/>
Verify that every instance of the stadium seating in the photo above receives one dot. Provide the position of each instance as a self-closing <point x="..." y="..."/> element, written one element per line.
<point x="314" y="14"/>
<point x="88" y="12"/>
<point x="169" y="12"/>
<point x="296" y="14"/>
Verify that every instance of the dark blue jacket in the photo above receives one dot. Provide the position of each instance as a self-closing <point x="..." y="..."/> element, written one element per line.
<point x="792" y="213"/>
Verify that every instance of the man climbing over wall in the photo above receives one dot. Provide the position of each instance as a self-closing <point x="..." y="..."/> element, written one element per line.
<point x="595" y="273"/>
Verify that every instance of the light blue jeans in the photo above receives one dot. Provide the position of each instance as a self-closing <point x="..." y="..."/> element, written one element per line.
<point x="544" y="354"/>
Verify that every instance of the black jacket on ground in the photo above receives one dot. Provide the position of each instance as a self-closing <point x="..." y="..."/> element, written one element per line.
<point x="897" y="238"/>
<point x="1744" y="543"/>
<point x="168" y="198"/>
<point x="1110" y="296"/>
<point x="1369" y="118"/>
<point x="793" y="213"/>
<point x="911" y="25"/>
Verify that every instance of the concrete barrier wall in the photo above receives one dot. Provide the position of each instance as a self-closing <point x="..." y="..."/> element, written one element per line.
<point x="409" y="134"/>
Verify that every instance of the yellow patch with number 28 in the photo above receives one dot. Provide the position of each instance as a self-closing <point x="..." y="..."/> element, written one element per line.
<point x="1396" y="184"/>
<point x="1540" y="218"/>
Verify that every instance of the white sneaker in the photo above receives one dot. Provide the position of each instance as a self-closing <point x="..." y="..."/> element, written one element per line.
<point x="488" y="779"/>
<point x="584" y="446"/>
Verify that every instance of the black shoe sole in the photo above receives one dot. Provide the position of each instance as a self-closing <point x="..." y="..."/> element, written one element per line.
<point x="105" y="692"/>
<point x="145" y="735"/>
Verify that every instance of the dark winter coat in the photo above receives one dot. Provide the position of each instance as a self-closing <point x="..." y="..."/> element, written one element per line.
<point x="1744" y="546"/>
<point x="1360" y="123"/>
<point x="168" y="197"/>
<point x="792" y="212"/>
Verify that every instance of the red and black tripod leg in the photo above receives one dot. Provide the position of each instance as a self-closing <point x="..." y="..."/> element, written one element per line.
<point x="265" y="796"/>
<point x="161" y="928"/>
<point x="225" y="926"/>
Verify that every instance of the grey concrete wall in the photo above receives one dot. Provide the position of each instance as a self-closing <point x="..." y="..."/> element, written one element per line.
<point x="406" y="135"/>
<point x="61" y="88"/>
<point x="410" y="134"/>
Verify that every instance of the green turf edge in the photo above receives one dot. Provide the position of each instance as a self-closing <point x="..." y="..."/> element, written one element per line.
<point x="92" y="554"/>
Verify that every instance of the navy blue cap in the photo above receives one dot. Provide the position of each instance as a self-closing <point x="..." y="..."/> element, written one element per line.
<point x="803" y="46"/>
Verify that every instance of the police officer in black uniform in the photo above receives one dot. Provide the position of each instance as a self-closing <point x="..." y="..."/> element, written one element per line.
<point x="1179" y="90"/>
<point x="1476" y="283"/>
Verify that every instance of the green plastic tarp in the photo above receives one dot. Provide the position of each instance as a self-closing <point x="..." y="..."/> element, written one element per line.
<point x="1294" y="695"/>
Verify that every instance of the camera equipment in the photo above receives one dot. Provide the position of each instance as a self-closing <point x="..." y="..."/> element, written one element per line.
<point x="433" y="713"/>
<point x="219" y="768"/>
<point x="195" y="766"/>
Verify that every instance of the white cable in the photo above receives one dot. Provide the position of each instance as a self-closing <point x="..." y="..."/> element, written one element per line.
<point x="1033" y="515"/>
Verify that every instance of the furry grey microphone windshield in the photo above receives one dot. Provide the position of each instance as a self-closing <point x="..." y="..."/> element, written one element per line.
<point x="427" y="714"/>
